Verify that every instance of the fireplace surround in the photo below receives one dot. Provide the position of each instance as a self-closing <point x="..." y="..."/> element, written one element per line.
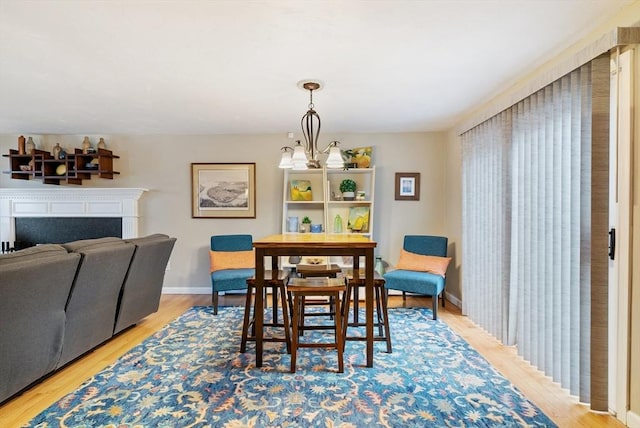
<point x="60" y="203"/>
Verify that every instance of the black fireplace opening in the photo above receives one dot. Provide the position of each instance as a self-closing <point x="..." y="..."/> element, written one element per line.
<point x="31" y="231"/>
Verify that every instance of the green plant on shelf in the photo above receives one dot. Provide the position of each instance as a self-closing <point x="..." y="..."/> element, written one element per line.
<point x="306" y="220"/>
<point x="347" y="185"/>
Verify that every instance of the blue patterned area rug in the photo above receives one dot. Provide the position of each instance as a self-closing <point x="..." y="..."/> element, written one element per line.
<point x="191" y="374"/>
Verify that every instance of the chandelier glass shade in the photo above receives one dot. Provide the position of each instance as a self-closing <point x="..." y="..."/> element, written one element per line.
<point x="307" y="155"/>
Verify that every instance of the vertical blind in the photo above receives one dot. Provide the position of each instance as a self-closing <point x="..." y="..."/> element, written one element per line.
<point x="486" y="233"/>
<point x="527" y="229"/>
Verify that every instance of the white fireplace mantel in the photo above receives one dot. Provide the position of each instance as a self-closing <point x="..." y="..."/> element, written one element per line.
<point x="94" y="202"/>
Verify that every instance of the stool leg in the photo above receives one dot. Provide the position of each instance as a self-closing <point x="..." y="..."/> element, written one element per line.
<point x="339" y="336"/>
<point x="285" y="316"/>
<point x="385" y="313"/>
<point x="356" y="304"/>
<point x="274" y="299"/>
<point x="379" y="310"/>
<point x="302" y="308"/>
<point x="290" y="301"/>
<point x="294" y="336"/>
<point x="346" y="303"/>
<point x="245" y="323"/>
<point x="265" y="296"/>
<point x="332" y="307"/>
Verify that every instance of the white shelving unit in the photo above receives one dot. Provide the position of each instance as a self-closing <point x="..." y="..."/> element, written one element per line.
<point x="315" y="208"/>
<point x="365" y="181"/>
<point x="326" y="199"/>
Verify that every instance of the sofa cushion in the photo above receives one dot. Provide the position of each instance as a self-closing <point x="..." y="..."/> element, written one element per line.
<point x="33" y="295"/>
<point x="149" y="238"/>
<point x="32" y="253"/>
<point x="221" y="260"/>
<point x="93" y="301"/>
<point x="426" y="283"/>
<point x="422" y="263"/>
<point x="90" y="243"/>
<point x="232" y="279"/>
<point x="142" y="289"/>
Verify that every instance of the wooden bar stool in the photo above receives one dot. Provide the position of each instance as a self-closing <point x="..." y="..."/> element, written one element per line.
<point x="313" y="271"/>
<point x="322" y="270"/>
<point x="299" y="288"/>
<point x="380" y="294"/>
<point x="276" y="280"/>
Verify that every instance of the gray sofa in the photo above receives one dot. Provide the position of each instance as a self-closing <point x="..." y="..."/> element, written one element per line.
<point x="58" y="302"/>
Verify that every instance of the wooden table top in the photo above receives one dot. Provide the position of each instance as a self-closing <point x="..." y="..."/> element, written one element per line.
<point x="315" y="239"/>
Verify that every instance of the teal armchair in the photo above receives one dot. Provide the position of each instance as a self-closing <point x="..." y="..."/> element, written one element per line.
<point x="419" y="279"/>
<point x="232" y="264"/>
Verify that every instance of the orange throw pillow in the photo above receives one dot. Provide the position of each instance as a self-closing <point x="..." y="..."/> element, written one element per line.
<point x="221" y="260"/>
<point x="421" y="263"/>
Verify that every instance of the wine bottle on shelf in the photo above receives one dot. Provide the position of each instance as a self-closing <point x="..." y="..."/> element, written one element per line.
<point x="22" y="148"/>
<point x="86" y="145"/>
<point x="56" y="151"/>
<point x="31" y="146"/>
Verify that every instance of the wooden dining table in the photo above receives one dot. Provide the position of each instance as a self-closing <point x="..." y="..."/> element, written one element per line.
<point x="315" y="244"/>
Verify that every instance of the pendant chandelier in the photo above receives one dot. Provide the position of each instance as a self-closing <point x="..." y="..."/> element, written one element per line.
<point x="307" y="156"/>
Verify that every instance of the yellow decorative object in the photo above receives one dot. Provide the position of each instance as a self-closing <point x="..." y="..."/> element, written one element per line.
<point x="221" y="260"/>
<point x="359" y="219"/>
<point x="301" y="190"/>
<point x="362" y="157"/>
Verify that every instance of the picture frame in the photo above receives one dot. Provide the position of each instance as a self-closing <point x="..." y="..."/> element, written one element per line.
<point x="407" y="186"/>
<point x="223" y="190"/>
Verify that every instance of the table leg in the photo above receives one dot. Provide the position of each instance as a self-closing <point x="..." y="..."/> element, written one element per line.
<point x="259" y="306"/>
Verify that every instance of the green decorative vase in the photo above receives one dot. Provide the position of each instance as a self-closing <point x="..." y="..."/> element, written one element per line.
<point x="337" y="224"/>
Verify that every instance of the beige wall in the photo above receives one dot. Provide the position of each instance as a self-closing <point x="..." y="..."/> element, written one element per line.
<point x="453" y="227"/>
<point x="161" y="163"/>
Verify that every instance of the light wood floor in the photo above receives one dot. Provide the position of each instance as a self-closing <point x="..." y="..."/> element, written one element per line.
<point x="554" y="401"/>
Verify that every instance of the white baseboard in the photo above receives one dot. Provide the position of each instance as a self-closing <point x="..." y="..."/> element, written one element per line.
<point x="195" y="290"/>
<point x="453" y="299"/>
<point x="633" y="420"/>
<point x="186" y="290"/>
<point x="207" y="290"/>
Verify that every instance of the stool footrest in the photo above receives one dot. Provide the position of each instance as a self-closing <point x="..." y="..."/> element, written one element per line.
<point x="317" y="345"/>
<point x="316" y="327"/>
<point x="362" y="339"/>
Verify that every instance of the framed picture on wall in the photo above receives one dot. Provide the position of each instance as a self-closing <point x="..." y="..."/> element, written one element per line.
<point x="407" y="186"/>
<point x="223" y="190"/>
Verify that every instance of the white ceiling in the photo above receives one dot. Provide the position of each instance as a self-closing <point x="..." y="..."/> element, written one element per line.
<point x="228" y="67"/>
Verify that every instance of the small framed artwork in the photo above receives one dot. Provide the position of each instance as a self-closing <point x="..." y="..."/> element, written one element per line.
<point x="407" y="186"/>
<point x="223" y="190"/>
